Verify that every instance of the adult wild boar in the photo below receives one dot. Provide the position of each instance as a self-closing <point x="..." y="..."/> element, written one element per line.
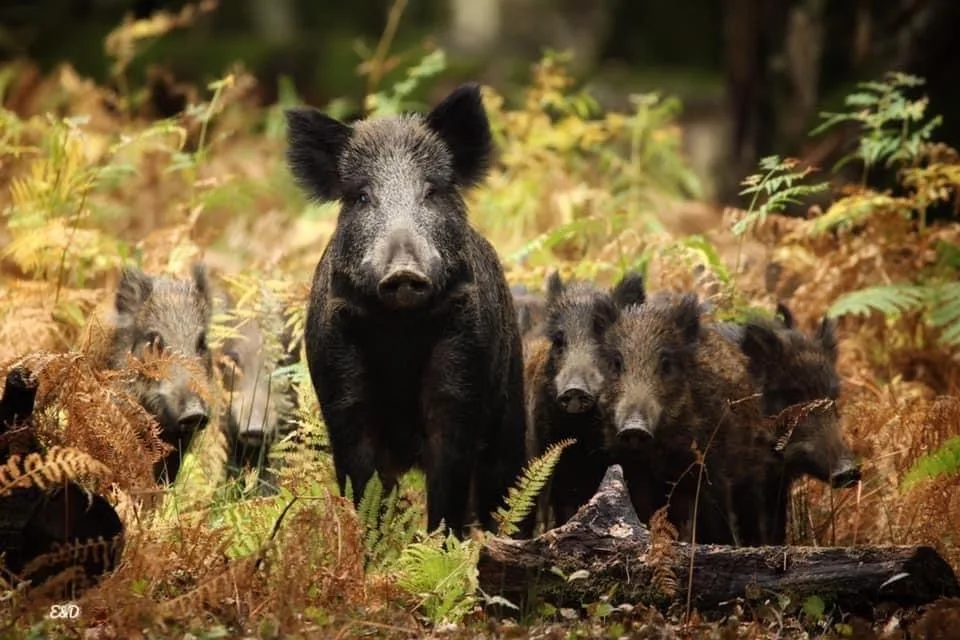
<point x="411" y="337"/>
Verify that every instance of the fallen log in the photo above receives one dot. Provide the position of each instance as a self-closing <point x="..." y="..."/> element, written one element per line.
<point x="606" y="540"/>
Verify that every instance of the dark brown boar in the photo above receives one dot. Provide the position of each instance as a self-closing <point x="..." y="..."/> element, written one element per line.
<point x="566" y="376"/>
<point x="796" y="373"/>
<point x="676" y="384"/>
<point x="411" y="336"/>
<point x="164" y="321"/>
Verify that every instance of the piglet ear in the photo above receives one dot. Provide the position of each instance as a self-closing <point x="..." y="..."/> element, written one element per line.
<point x="827" y="335"/>
<point x="629" y="290"/>
<point x="461" y="122"/>
<point x="314" y="144"/>
<point x="786" y="316"/>
<point x="133" y="290"/>
<point x="201" y="280"/>
<point x="555" y="287"/>
<point x="761" y="345"/>
<point x="686" y="314"/>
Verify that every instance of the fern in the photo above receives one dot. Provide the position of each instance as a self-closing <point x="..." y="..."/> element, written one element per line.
<point x="779" y="183"/>
<point x="946" y="313"/>
<point x="891" y="125"/>
<point x="442" y="572"/>
<point x="45" y="470"/>
<point x="890" y="300"/>
<point x="943" y="461"/>
<point x="522" y="497"/>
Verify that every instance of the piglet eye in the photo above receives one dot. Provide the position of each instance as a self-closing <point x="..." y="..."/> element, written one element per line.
<point x="667" y="365"/>
<point x="558" y="340"/>
<point x="616" y="363"/>
<point x="202" y="343"/>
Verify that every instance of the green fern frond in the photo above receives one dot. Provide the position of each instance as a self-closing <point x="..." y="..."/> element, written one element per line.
<point x="943" y="461"/>
<point x="442" y="572"/>
<point x="522" y="497"/>
<point x="890" y="300"/>
<point x="777" y="183"/>
<point x="946" y="313"/>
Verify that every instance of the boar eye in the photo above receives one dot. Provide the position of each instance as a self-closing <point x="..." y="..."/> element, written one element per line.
<point x="668" y="365"/>
<point x="616" y="363"/>
<point x="429" y="191"/>
<point x="558" y="340"/>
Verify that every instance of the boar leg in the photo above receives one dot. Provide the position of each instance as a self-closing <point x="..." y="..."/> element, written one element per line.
<point x="347" y="413"/>
<point x="453" y="420"/>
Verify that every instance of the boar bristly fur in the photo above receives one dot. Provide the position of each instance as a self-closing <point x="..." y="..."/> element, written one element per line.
<point x="411" y="337"/>
<point x="793" y="369"/>
<point x="565" y="378"/>
<point x="168" y="318"/>
<point x="677" y="382"/>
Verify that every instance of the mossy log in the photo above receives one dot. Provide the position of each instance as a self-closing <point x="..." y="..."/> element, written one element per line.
<point x="607" y="540"/>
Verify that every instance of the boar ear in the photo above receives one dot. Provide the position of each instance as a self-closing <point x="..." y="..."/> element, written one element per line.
<point x="202" y="281"/>
<point x="629" y="290"/>
<point x="461" y="121"/>
<point x="786" y="316"/>
<point x="605" y="315"/>
<point x="555" y="287"/>
<point x="760" y="344"/>
<point x="133" y="290"/>
<point x="687" y="317"/>
<point x="314" y="144"/>
<point x="827" y="335"/>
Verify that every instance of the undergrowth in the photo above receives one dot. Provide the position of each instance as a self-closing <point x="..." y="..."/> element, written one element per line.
<point x="593" y="193"/>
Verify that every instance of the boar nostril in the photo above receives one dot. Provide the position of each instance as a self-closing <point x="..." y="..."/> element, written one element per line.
<point x="635" y="431"/>
<point x="846" y="477"/>
<point x="575" y="400"/>
<point x="193" y="419"/>
<point x="404" y="288"/>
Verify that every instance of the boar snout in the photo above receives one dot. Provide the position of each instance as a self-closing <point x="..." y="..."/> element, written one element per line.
<point x="575" y="398"/>
<point x="845" y="475"/>
<point x="634" y="431"/>
<point x="403" y="265"/>
<point x="194" y="416"/>
<point x="405" y="288"/>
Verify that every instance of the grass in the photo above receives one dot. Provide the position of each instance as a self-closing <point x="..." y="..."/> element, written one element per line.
<point x="592" y="194"/>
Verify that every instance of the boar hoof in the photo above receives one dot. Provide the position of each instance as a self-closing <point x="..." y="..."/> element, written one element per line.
<point x="575" y="400"/>
<point x="404" y="289"/>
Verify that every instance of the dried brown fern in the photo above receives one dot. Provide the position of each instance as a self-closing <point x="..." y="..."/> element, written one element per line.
<point x="51" y="468"/>
<point x="662" y="554"/>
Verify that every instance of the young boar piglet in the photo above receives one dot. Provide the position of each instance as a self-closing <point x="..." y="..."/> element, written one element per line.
<point x="258" y="405"/>
<point x="565" y="389"/>
<point x="166" y="318"/>
<point x="411" y="336"/>
<point x="793" y="369"/>
<point x="678" y="383"/>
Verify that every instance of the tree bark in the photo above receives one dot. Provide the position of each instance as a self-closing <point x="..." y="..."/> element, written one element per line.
<point x="606" y="539"/>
